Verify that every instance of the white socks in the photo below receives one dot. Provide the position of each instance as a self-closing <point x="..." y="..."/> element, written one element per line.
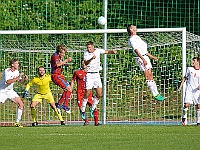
<point x="152" y="86"/>
<point x="19" y="114"/>
<point x="185" y="113"/>
<point x="95" y="102"/>
<point x="84" y="103"/>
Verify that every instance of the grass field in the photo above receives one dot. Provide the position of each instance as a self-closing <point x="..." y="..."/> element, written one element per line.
<point x="105" y="137"/>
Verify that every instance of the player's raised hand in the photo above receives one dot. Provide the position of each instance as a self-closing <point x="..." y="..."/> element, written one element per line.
<point x="25" y="77"/>
<point x="69" y="59"/>
<point x="155" y="58"/>
<point x="21" y="74"/>
<point x="114" y="52"/>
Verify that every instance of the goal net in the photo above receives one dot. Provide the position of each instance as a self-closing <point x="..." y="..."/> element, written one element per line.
<point x="127" y="99"/>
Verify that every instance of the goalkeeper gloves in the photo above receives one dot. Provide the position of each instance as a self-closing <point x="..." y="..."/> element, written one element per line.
<point x="25" y="94"/>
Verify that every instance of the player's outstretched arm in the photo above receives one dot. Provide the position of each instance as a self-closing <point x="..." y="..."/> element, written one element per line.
<point x="61" y="63"/>
<point x="182" y="82"/>
<point x="9" y="81"/>
<point x="23" y="79"/>
<point x="110" y="52"/>
<point x="151" y="56"/>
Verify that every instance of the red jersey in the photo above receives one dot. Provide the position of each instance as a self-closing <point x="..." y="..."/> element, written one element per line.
<point x="79" y="77"/>
<point x="54" y="69"/>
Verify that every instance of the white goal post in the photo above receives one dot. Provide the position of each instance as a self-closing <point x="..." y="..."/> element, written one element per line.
<point x="105" y="32"/>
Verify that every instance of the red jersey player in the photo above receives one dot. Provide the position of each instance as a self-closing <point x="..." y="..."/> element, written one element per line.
<point x="58" y="78"/>
<point x="79" y="77"/>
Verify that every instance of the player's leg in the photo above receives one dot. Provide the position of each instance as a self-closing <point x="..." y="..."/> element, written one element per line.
<point x="197" y="102"/>
<point x="95" y="100"/>
<point x="184" y="114"/>
<point x="198" y="115"/>
<point x="49" y="98"/>
<point x="17" y="100"/>
<point x="53" y="106"/>
<point x="33" y="111"/>
<point x="98" y="88"/>
<point x="80" y="95"/>
<point x="61" y="82"/>
<point x="85" y="99"/>
<point x="36" y="100"/>
<point x="95" y="113"/>
<point x="147" y="71"/>
<point x="20" y="105"/>
<point x="96" y="117"/>
<point x="89" y="83"/>
<point x="66" y="101"/>
<point x="152" y="85"/>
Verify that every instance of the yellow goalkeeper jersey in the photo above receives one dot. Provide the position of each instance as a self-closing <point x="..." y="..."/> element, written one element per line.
<point x="42" y="84"/>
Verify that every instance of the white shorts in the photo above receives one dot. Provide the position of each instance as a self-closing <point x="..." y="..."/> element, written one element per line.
<point x="93" y="80"/>
<point x="192" y="97"/>
<point x="7" y="94"/>
<point x="141" y="64"/>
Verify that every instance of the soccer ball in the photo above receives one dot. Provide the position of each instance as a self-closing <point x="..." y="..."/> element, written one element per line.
<point x="101" y="20"/>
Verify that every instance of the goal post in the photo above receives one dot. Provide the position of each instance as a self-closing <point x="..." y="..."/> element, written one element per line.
<point x="127" y="97"/>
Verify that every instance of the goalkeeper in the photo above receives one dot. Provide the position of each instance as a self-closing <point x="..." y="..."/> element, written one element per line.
<point x="140" y="49"/>
<point x="42" y="81"/>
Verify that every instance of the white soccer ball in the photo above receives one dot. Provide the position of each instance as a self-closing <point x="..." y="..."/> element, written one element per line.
<point x="101" y="20"/>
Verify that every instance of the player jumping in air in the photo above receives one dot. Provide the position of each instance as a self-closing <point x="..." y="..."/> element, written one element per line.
<point x="142" y="58"/>
<point x="92" y="78"/>
<point x="42" y="81"/>
<point x="192" y="93"/>
<point x="56" y="69"/>
<point x="10" y="76"/>
<point x="79" y="77"/>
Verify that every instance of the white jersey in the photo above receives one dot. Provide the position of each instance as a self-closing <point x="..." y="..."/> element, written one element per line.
<point x="193" y="79"/>
<point x="137" y="43"/>
<point x="8" y="74"/>
<point x="94" y="65"/>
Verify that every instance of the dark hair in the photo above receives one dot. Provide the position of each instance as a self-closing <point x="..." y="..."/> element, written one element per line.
<point x="197" y="58"/>
<point x="40" y="67"/>
<point x="12" y="61"/>
<point x="60" y="48"/>
<point x="89" y="43"/>
<point x="128" y="29"/>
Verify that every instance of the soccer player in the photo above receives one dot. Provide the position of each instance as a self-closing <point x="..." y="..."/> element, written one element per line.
<point x="79" y="78"/>
<point x="192" y="93"/>
<point x="42" y="81"/>
<point x="9" y="77"/>
<point x="57" y="63"/>
<point x="142" y="58"/>
<point x="92" y="78"/>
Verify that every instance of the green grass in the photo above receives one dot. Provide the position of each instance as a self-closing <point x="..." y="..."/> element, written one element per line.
<point x="106" y="137"/>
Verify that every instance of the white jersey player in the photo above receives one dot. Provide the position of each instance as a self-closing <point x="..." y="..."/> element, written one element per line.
<point x="92" y="79"/>
<point x="9" y="77"/>
<point x="192" y="92"/>
<point x="142" y="58"/>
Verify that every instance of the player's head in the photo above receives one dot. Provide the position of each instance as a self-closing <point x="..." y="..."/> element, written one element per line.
<point x="195" y="61"/>
<point x="14" y="64"/>
<point x="61" y="50"/>
<point x="90" y="47"/>
<point x="131" y="29"/>
<point x="83" y="66"/>
<point x="41" y="71"/>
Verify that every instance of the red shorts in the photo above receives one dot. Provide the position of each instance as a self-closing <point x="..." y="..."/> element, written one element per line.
<point x="59" y="80"/>
<point x="80" y="95"/>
